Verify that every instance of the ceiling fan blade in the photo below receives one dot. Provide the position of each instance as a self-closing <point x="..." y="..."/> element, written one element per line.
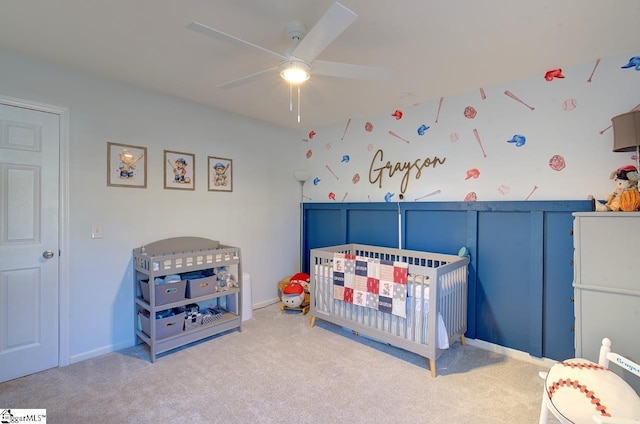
<point x="248" y="78"/>
<point x="328" y="28"/>
<point x="219" y="35"/>
<point x="347" y="70"/>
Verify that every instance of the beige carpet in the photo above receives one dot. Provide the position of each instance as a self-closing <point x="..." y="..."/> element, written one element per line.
<point x="278" y="369"/>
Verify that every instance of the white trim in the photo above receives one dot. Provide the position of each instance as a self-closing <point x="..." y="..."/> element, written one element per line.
<point x="513" y="353"/>
<point x="63" y="239"/>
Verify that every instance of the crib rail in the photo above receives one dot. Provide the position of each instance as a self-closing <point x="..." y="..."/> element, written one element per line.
<point x="436" y="305"/>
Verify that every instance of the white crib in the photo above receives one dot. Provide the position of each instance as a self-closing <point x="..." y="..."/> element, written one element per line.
<point x="436" y="302"/>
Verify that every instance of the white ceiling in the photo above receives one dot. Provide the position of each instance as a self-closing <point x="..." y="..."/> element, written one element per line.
<point x="437" y="47"/>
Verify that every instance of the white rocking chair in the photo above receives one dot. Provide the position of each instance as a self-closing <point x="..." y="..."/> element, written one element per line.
<point x="578" y="391"/>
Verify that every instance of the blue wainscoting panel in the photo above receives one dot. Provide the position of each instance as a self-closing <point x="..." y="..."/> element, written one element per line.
<point x="435" y="231"/>
<point x="502" y="298"/>
<point x="520" y="274"/>
<point x="323" y="227"/>
<point x="373" y="227"/>
<point x="558" y="337"/>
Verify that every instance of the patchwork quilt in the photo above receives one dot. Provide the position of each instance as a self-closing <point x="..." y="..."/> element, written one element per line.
<point x="374" y="283"/>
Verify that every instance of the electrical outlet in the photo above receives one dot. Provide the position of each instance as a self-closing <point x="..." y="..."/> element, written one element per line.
<point x="96" y="231"/>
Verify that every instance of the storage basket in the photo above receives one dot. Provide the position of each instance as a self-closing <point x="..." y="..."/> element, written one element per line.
<point x="165" y="293"/>
<point x="201" y="287"/>
<point x="165" y="327"/>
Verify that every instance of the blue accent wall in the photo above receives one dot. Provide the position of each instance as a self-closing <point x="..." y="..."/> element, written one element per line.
<point x="521" y="273"/>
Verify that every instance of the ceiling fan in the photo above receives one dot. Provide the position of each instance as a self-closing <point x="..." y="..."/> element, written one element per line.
<point x="299" y="62"/>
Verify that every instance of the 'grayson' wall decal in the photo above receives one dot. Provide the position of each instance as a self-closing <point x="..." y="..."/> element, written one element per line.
<point x="377" y="170"/>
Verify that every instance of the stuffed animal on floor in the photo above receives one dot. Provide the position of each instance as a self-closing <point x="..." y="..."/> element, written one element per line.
<point x="293" y="295"/>
<point x="626" y="196"/>
<point x="301" y="278"/>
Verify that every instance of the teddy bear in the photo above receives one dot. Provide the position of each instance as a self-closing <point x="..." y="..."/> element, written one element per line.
<point x="626" y="196"/>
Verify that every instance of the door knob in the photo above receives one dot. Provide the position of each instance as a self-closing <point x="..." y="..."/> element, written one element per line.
<point x="47" y="254"/>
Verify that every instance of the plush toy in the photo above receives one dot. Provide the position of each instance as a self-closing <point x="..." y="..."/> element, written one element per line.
<point x="301" y="278"/>
<point x="293" y="295"/>
<point x="626" y="196"/>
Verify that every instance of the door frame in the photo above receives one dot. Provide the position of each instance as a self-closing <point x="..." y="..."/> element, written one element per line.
<point x="63" y="220"/>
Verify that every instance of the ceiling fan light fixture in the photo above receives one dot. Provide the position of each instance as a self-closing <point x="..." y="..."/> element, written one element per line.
<point x="294" y="71"/>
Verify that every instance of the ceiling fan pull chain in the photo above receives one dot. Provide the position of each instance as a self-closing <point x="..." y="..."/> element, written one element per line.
<point x="290" y="97"/>
<point x="298" y="104"/>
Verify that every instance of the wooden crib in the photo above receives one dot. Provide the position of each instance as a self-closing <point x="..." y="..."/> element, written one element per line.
<point x="435" y="302"/>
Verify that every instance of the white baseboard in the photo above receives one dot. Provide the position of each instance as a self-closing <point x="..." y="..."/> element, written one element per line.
<point x="99" y="352"/>
<point x="265" y="303"/>
<point x="512" y="353"/>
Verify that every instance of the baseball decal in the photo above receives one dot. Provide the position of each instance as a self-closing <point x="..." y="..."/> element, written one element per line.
<point x="581" y="388"/>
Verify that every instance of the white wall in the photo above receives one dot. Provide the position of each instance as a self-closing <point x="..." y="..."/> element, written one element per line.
<point x="260" y="215"/>
<point x="524" y="172"/>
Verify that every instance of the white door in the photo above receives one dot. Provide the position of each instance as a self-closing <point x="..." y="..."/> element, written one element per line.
<point x="29" y="209"/>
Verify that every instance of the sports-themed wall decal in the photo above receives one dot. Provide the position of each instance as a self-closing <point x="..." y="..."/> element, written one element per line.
<point x="518" y="140"/>
<point x="332" y="173"/>
<point x="594" y="70"/>
<point x="496" y="127"/>
<point x="345" y="129"/>
<point x="472" y="173"/>
<point x="557" y="163"/>
<point x="475" y="133"/>
<point x="516" y="98"/>
<point x="397" y="136"/>
<point x="471" y="197"/>
<point x="532" y="191"/>
<point x="569" y="104"/>
<point x="433" y="193"/>
<point x="439" y="107"/>
<point x="504" y="189"/>
<point x="634" y="62"/>
<point x="470" y="112"/>
<point x="554" y="73"/>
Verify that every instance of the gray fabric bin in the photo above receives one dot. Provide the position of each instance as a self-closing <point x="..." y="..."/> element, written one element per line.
<point x="165" y="293"/>
<point x="201" y="286"/>
<point x="165" y="327"/>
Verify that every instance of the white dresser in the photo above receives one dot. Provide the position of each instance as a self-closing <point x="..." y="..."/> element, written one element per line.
<point x="607" y="284"/>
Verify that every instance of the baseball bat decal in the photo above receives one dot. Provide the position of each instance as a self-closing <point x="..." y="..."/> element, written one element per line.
<point x="332" y="173"/>
<point x="439" y="107"/>
<point x="475" y="132"/>
<point x="345" y="129"/>
<point x="433" y="193"/>
<point x="397" y="136"/>
<point x="516" y="98"/>
<point x="594" y="70"/>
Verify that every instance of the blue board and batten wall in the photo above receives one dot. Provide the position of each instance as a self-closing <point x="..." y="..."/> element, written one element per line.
<point x="521" y="273"/>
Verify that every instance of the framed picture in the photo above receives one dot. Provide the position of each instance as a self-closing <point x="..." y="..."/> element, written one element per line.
<point x="220" y="171"/>
<point x="126" y="165"/>
<point x="179" y="170"/>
